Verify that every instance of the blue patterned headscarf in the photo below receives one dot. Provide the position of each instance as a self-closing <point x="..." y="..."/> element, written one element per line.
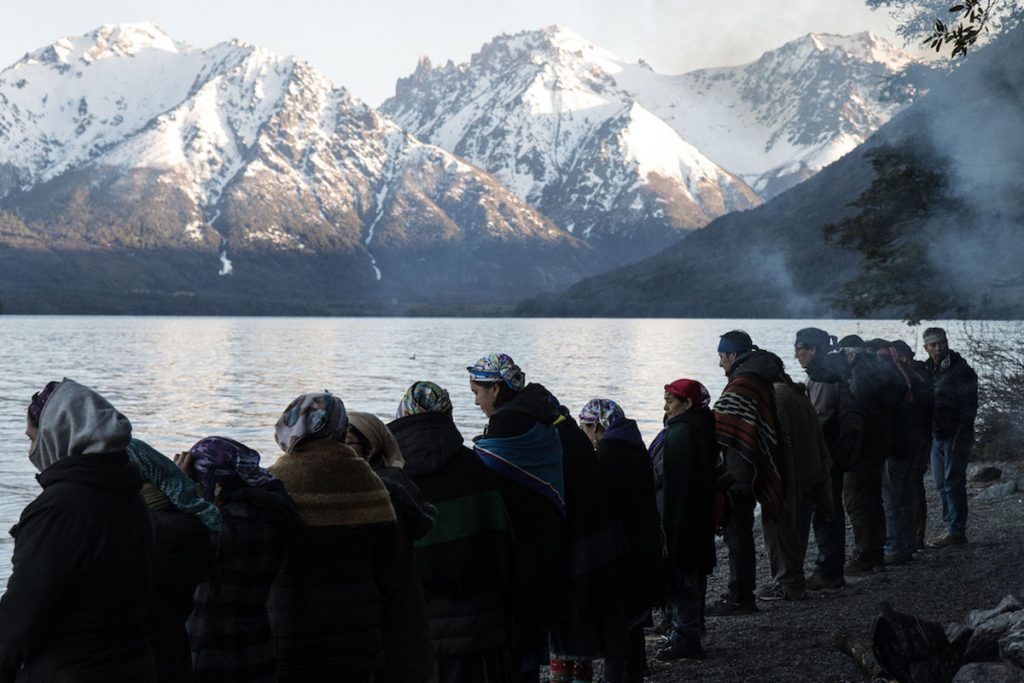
<point x="498" y="367"/>
<point x="311" y="416"/>
<point x="424" y="397"/>
<point x="224" y="462"/>
<point x="601" y="411"/>
<point x="161" y="472"/>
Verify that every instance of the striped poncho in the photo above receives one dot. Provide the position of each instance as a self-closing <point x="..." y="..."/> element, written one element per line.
<point x="746" y="422"/>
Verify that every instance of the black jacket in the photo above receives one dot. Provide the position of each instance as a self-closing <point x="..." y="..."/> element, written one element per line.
<point x="627" y="469"/>
<point x="464" y="563"/>
<point x="956" y="399"/>
<point x="539" y="529"/>
<point x="878" y="394"/>
<point x="76" y="606"/>
<point x="406" y="630"/>
<point x="688" y="452"/>
<point x="184" y="554"/>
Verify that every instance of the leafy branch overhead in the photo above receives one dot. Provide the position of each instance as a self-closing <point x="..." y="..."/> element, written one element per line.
<point x="959" y="27"/>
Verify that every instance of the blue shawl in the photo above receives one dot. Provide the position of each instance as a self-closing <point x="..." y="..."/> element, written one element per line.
<point x="532" y="459"/>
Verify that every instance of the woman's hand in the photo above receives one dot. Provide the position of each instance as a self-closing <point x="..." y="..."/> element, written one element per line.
<point x="184" y="462"/>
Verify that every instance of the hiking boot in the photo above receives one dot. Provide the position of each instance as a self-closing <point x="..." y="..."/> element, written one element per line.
<point x="946" y="540"/>
<point x="685" y="647"/>
<point x="817" y="583"/>
<point x="727" y="607"/>
<point x="777" y="591"/>
<point x="897" y="559"/>
<point x="858" y="567"/>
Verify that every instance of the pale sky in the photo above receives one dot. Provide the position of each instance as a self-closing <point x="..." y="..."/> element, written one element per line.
<point x="366" y="45"/>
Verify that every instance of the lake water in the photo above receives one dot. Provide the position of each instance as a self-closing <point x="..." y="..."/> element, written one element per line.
<point x="180" y="379"/>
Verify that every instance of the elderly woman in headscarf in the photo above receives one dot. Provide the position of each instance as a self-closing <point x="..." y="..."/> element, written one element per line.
<point x="184" y="524"/>
<point x="327" y="607"/>
<point x="229" y="629"/>
<point x="76" y="603"/>
<point x="684" y="456"/>
<point x="622" y="456"/>
<point x="521" y="444"/>
<point x="464" y="562"/>
<point x="406" y="629"/>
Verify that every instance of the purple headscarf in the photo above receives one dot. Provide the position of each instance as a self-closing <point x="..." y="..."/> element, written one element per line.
<point x="39" y="399"/>
<point x="232" y="465"/>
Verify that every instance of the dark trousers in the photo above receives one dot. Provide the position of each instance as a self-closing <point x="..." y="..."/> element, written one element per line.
<point x="863" y="498"/>
<point x="786" y="543"/>
<point x="739" y="537"/>
<point x="484" y="667"/>
<point x="685" y="590"/>
<point x="830" y="534"/>
<point x="898" y="502"/>
<point x="629" y="669"/>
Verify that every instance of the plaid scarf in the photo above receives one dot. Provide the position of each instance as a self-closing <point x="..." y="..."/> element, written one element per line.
<point x="745" y="421"/>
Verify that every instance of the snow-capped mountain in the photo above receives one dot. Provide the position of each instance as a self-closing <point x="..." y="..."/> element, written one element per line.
<point x="542" y="111"/>
<point x="603" y="146"/>
<point x="126" y="138"/>
<point x="781" y="119"/>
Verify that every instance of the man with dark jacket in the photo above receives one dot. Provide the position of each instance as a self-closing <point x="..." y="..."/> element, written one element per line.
<point x="955" y="407"/>
<point x="825" y="389"/>
<point x="746" y="427"/>
<point x="920" y="433"/>
<point x="875" y="396"/>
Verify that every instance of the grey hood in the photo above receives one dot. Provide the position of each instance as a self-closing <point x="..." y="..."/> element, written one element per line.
<point x="78" y="421"/>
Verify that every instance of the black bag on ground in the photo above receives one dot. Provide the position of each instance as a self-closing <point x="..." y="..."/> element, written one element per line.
<point x="913" y="650"/>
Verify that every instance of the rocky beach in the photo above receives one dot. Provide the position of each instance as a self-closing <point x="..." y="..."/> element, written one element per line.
<point x="796" y="640"/>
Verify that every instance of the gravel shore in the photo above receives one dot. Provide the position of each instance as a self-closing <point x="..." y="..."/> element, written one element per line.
<point x="794" y="641"/>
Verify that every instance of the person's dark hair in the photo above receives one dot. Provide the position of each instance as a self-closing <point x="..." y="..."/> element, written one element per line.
<point x="505" y="392"/>
<point x="735" y="341"/>
<point x="933" y="334"/>
<point x="850" y="341"/>
<point x="815" y="338"/>
<point x="903" y="348"/>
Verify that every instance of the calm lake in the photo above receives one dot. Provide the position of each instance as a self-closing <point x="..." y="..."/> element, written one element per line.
<point x="180" y="379"/>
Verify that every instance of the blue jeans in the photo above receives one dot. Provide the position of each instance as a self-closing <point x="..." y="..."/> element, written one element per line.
<point x="898" y="499"/>
<point x="685" y="591"/>
<point x="949" y="467"/>
<point x="830" y="534"/>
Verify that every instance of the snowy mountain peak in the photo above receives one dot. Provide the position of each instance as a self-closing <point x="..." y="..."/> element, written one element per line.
<point x="109" y="40"/>
<point x="864" y="47"/>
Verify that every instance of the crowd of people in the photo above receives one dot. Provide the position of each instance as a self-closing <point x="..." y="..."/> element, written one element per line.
<point x="378" y="553"/>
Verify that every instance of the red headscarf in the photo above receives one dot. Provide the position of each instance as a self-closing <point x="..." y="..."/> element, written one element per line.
<point x="691" y="389"/>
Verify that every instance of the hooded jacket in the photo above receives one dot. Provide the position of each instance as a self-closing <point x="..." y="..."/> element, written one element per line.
<point x="76" y="606"/>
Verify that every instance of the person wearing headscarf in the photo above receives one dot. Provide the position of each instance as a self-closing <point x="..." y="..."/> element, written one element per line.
<point x="593" y="623"/>
<point x="183" y="524"/>
<point x="622" y="456"/>
<point x="522" y="445"/>
<point x="229" y="629"/>
<point x="684" y="456"/>
<point x="464" y="562"/>
<point x="76" y="603"/>
<point x="406" y="628"/>
<point x="327" y="604"/>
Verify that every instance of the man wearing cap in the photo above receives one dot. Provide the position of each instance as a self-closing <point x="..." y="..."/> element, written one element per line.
<point x="746" y="428"/>
<point x="955" y="408"/>
<point x="812" y="349"/>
